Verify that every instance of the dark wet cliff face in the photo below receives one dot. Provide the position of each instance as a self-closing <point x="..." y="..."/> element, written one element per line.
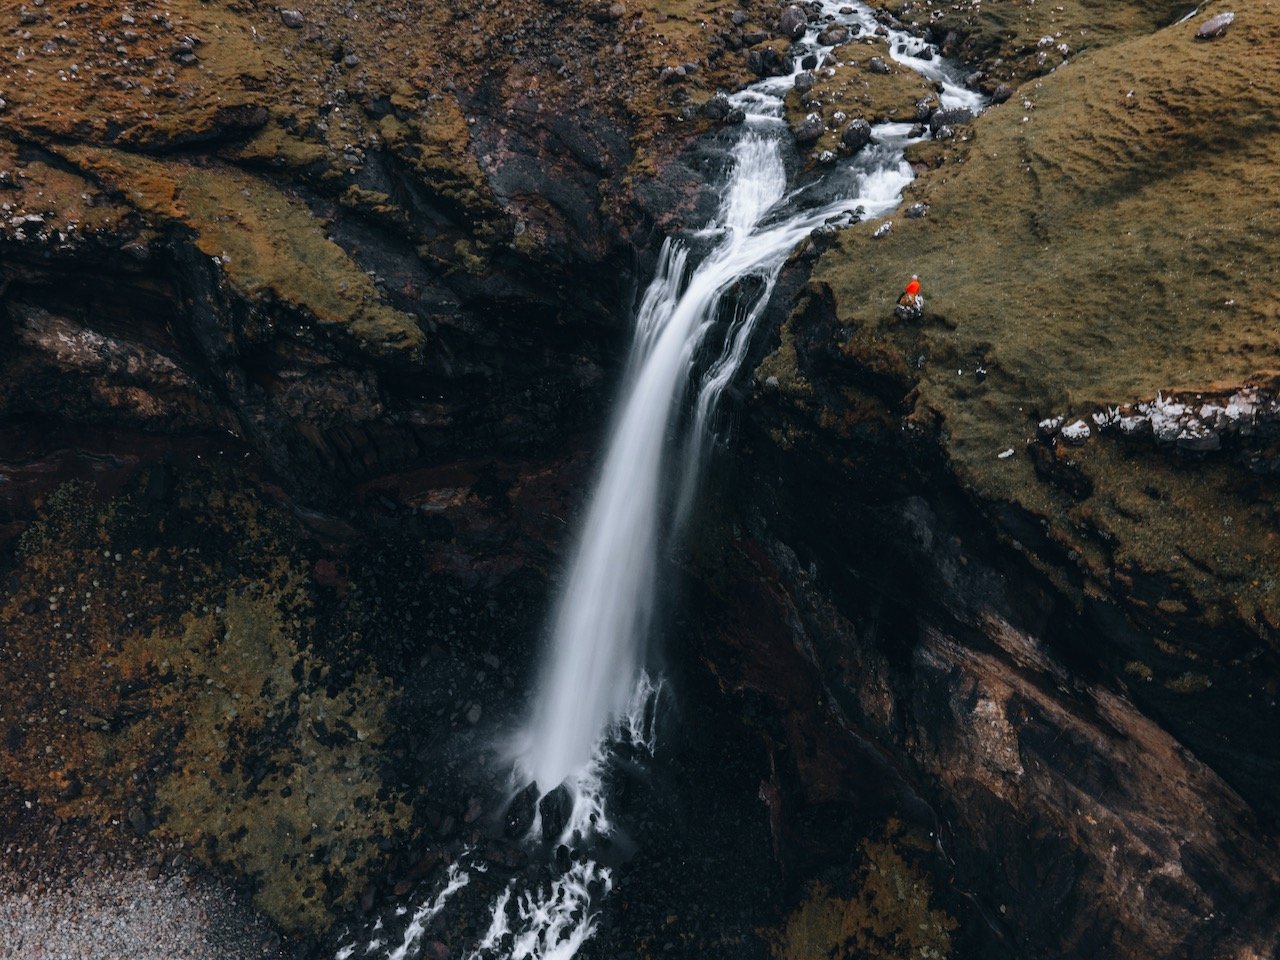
<point x="306" y="346"/>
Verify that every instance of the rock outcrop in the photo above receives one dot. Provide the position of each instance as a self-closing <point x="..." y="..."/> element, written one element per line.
<point x="1052" y="500"/>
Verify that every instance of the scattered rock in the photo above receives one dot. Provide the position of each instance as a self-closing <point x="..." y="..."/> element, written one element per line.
<point x="949" y="118"/>
<point x="877" y="65"/>
<point x="1002" y="93"/>
<point x="810" y="61"/>
<point x="519" y="815"/>
<point x="833" y="35"/>
<point x="292" y="19"/>
<point x="717" y="108"/>
<point x="1075" y="433"/>
<point x="804" y="81"/>
<point x="925" y="107"/>
<point x="883" y="230"/>
<point x="809" y="129"/>
<point x="555" y="808"/>
<point x="856" y="135"/>
<point x="791" y="22"/>
<point x="1215" y="26"/>
<point x="138" y="820"/>
<point x="768" y="62"/>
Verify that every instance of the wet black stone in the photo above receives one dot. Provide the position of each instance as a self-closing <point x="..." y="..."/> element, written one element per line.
<point x="519" y="816"/>
<point x="555" y="808"/>
<point x="949" y="118"/>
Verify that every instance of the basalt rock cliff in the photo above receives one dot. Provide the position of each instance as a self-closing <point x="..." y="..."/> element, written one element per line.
<point x="309" y="319"/>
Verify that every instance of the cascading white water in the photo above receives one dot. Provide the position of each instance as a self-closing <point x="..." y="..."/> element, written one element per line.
<point x="594" y="690"/>
<point x="604" y="613"/>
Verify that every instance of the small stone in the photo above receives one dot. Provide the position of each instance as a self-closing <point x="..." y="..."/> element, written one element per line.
<point x="671" y="74"/>
<point x="1075" y="433"/>
<point x="1002" y="93"/>
<point x="809" y="62"/>
<point x="883" y="230"/>
<point x="804" y="81"/>
<point x="877" y="65"/>
<point x="949" y="118"/>
<point x="917" y="211"/>
<point x="138" y="820"/>
<point x="473" y="714"/>
<point x="833" y="35"/>
<point x="717" y="108"/>
<point x="617" y="10"/>
<point x="809" y="129"/>
<point x="735" y="116"/>
<point x="351" y="60"/>
<point x="1215" y="26"/>
<point x="292" y="19"/>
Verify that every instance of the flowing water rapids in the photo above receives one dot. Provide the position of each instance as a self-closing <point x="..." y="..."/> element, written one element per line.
<point x="594" y="691"/>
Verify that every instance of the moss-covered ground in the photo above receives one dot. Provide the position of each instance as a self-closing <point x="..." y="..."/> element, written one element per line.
<point x="1105" y="236"/>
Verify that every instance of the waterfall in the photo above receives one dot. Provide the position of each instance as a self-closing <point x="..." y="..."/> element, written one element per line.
<point x="593" y="690"/>
<point x="602" y="620"/>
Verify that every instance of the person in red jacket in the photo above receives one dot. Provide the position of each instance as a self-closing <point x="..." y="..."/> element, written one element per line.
<point x="911" y="296"/>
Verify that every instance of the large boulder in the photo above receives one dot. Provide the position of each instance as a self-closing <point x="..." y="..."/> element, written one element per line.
<point x="856" y="135"/>
<point x="791" y="22"/>
<point x="769" y="62"/>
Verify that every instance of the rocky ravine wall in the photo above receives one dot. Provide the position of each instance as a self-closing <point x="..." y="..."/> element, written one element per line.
<point x="1066" y="637"/>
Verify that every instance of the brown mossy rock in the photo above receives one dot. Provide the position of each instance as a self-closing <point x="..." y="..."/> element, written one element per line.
<point x="885" y="913"/>
<point x="159" y="657"/>
<point x="848" y="86"/>
<point x="267" y="244"/>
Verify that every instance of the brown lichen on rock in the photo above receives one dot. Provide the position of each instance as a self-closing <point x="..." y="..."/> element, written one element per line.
<point x="274" y="775"/>
<point x="158" y="673"/>
<point x="887" y="915"/>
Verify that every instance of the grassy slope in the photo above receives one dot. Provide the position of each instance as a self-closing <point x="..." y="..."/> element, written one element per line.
<point x="1088" y="255"/>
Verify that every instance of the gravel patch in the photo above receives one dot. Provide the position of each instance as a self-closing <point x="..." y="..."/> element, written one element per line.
<point x="127" y="915"/>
